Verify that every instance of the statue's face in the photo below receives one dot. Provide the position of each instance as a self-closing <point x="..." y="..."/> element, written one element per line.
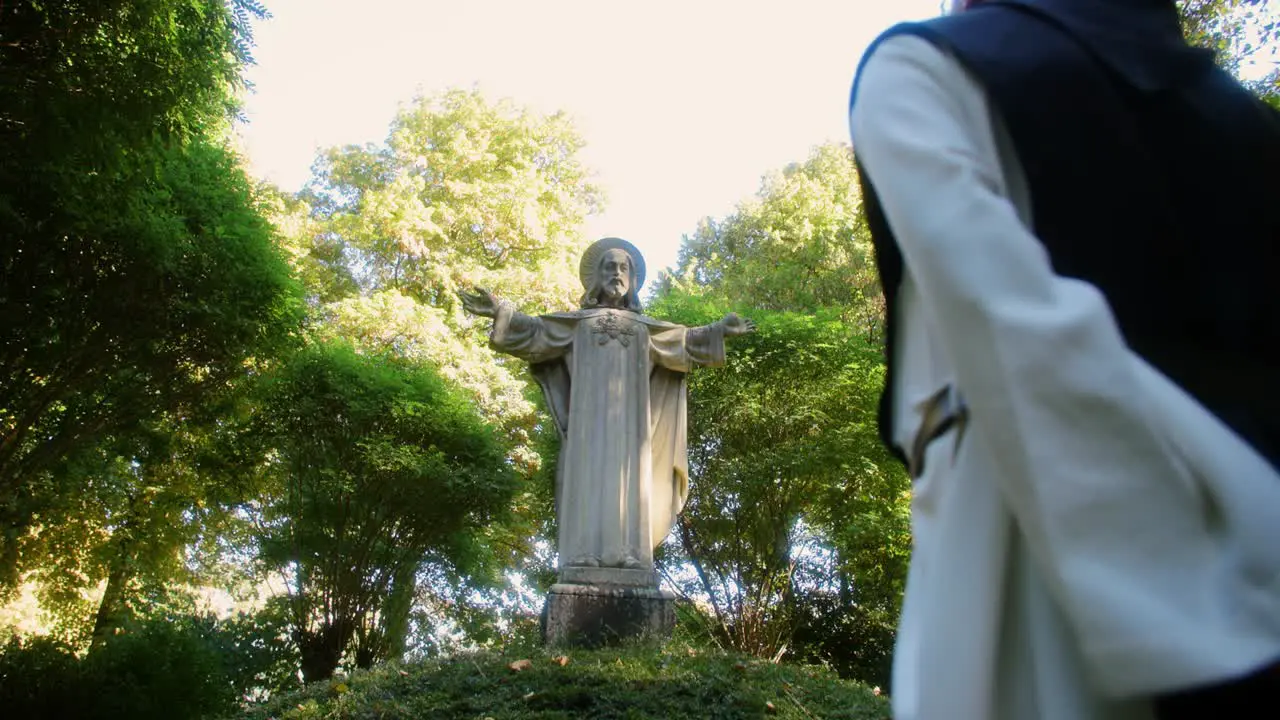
<point x="614" y="276"/>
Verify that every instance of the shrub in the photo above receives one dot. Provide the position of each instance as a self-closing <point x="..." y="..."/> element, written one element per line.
<point x="170" y="668"/>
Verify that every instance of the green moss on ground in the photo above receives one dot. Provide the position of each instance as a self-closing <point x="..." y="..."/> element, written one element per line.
<point x="630" y="683"/>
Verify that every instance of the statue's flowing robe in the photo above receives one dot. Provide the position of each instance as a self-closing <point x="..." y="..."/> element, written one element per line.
<point x="614" y="381"/>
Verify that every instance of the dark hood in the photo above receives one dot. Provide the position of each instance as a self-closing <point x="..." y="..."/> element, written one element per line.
<point x="1141" y="40"/>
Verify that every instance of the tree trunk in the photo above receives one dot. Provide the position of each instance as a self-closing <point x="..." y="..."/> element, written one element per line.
<point x="386" y="636"/>
<point x="113" y="610"/>
<point x="846" y="589"/>
<point x="396" y="610"/>
<point x="322" y="651"/>
<point x="367" y="652"/>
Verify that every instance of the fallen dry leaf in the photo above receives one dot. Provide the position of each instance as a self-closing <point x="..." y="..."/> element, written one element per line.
<point x="404" y="673"/>
<point x="519" y="665"/>
<point x="560" y="660"/>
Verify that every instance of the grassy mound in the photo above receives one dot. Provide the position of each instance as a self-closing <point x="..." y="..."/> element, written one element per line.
<point x="631" y="683"/>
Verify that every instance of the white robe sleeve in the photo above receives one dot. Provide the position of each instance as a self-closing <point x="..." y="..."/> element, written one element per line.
<point x="681" y="349"/>
<point x="1111" y="515"/>
<point x="529" y="338"/>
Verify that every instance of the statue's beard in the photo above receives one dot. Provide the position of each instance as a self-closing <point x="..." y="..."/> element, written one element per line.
<point x="613" y="291"/>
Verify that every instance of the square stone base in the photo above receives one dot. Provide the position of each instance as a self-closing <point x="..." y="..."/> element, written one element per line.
<point x="598" y="615"/>
<point x="608" y="576"/>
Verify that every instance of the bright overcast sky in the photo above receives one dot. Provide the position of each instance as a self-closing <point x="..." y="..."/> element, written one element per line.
<point x="683" y="104"/>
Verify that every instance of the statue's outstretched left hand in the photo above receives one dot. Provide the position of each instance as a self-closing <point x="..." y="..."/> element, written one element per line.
<point x="735" y="325"/>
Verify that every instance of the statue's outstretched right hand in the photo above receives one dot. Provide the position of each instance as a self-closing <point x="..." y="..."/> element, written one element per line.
<point x="481" y="302"/>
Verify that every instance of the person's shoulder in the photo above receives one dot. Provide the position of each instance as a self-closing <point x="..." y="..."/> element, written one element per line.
<point x="906" y="49"/>
<point x="908" y="68"/>
<point x="900" y="54"/>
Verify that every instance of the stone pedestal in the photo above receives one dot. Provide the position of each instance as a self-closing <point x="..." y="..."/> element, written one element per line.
<point x="592" y="607"/>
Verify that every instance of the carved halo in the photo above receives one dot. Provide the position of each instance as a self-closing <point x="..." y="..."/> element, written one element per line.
<point x="591" y="260"/>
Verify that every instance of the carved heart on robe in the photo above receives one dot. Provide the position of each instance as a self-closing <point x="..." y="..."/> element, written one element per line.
<point x="609" y="327"/>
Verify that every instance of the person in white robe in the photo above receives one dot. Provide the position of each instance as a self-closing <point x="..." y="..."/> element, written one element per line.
<point x="1086" y="535"/>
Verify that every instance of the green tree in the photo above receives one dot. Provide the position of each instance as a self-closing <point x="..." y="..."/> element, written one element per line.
<point x="800" y="244"/>
<point x="375" y="466"/>
<point x="151" y="516"/>
<point x="463" y="192"/>
<point x="791" y="492"/>
<point x="797" y="529"/>
<point x="166" y="666"/>
<point x="1240" y="31"/>
<point x="139" y="273"/>
<point x="148" y="518"/>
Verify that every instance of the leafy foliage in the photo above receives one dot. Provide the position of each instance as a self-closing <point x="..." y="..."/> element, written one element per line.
<point x="791" y="492"/>
<point x="854" y="639"/>
<point x="132" y="525"/>
<point x="141" y="516"/>
<point x="801" y="244"/>
<point x="94" y="79"/>
<point x="798" y="518"/>
<point x="170" y="667"/>
<point x="374" y="466"/>
<point x="139" y="273"/>
<point x="1240" y="31"/>
<point x="464" y="192"/>
<point x="671" y="683"/>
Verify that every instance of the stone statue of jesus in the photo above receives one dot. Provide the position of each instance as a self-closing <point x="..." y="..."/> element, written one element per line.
<point x="614" y="381"/>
